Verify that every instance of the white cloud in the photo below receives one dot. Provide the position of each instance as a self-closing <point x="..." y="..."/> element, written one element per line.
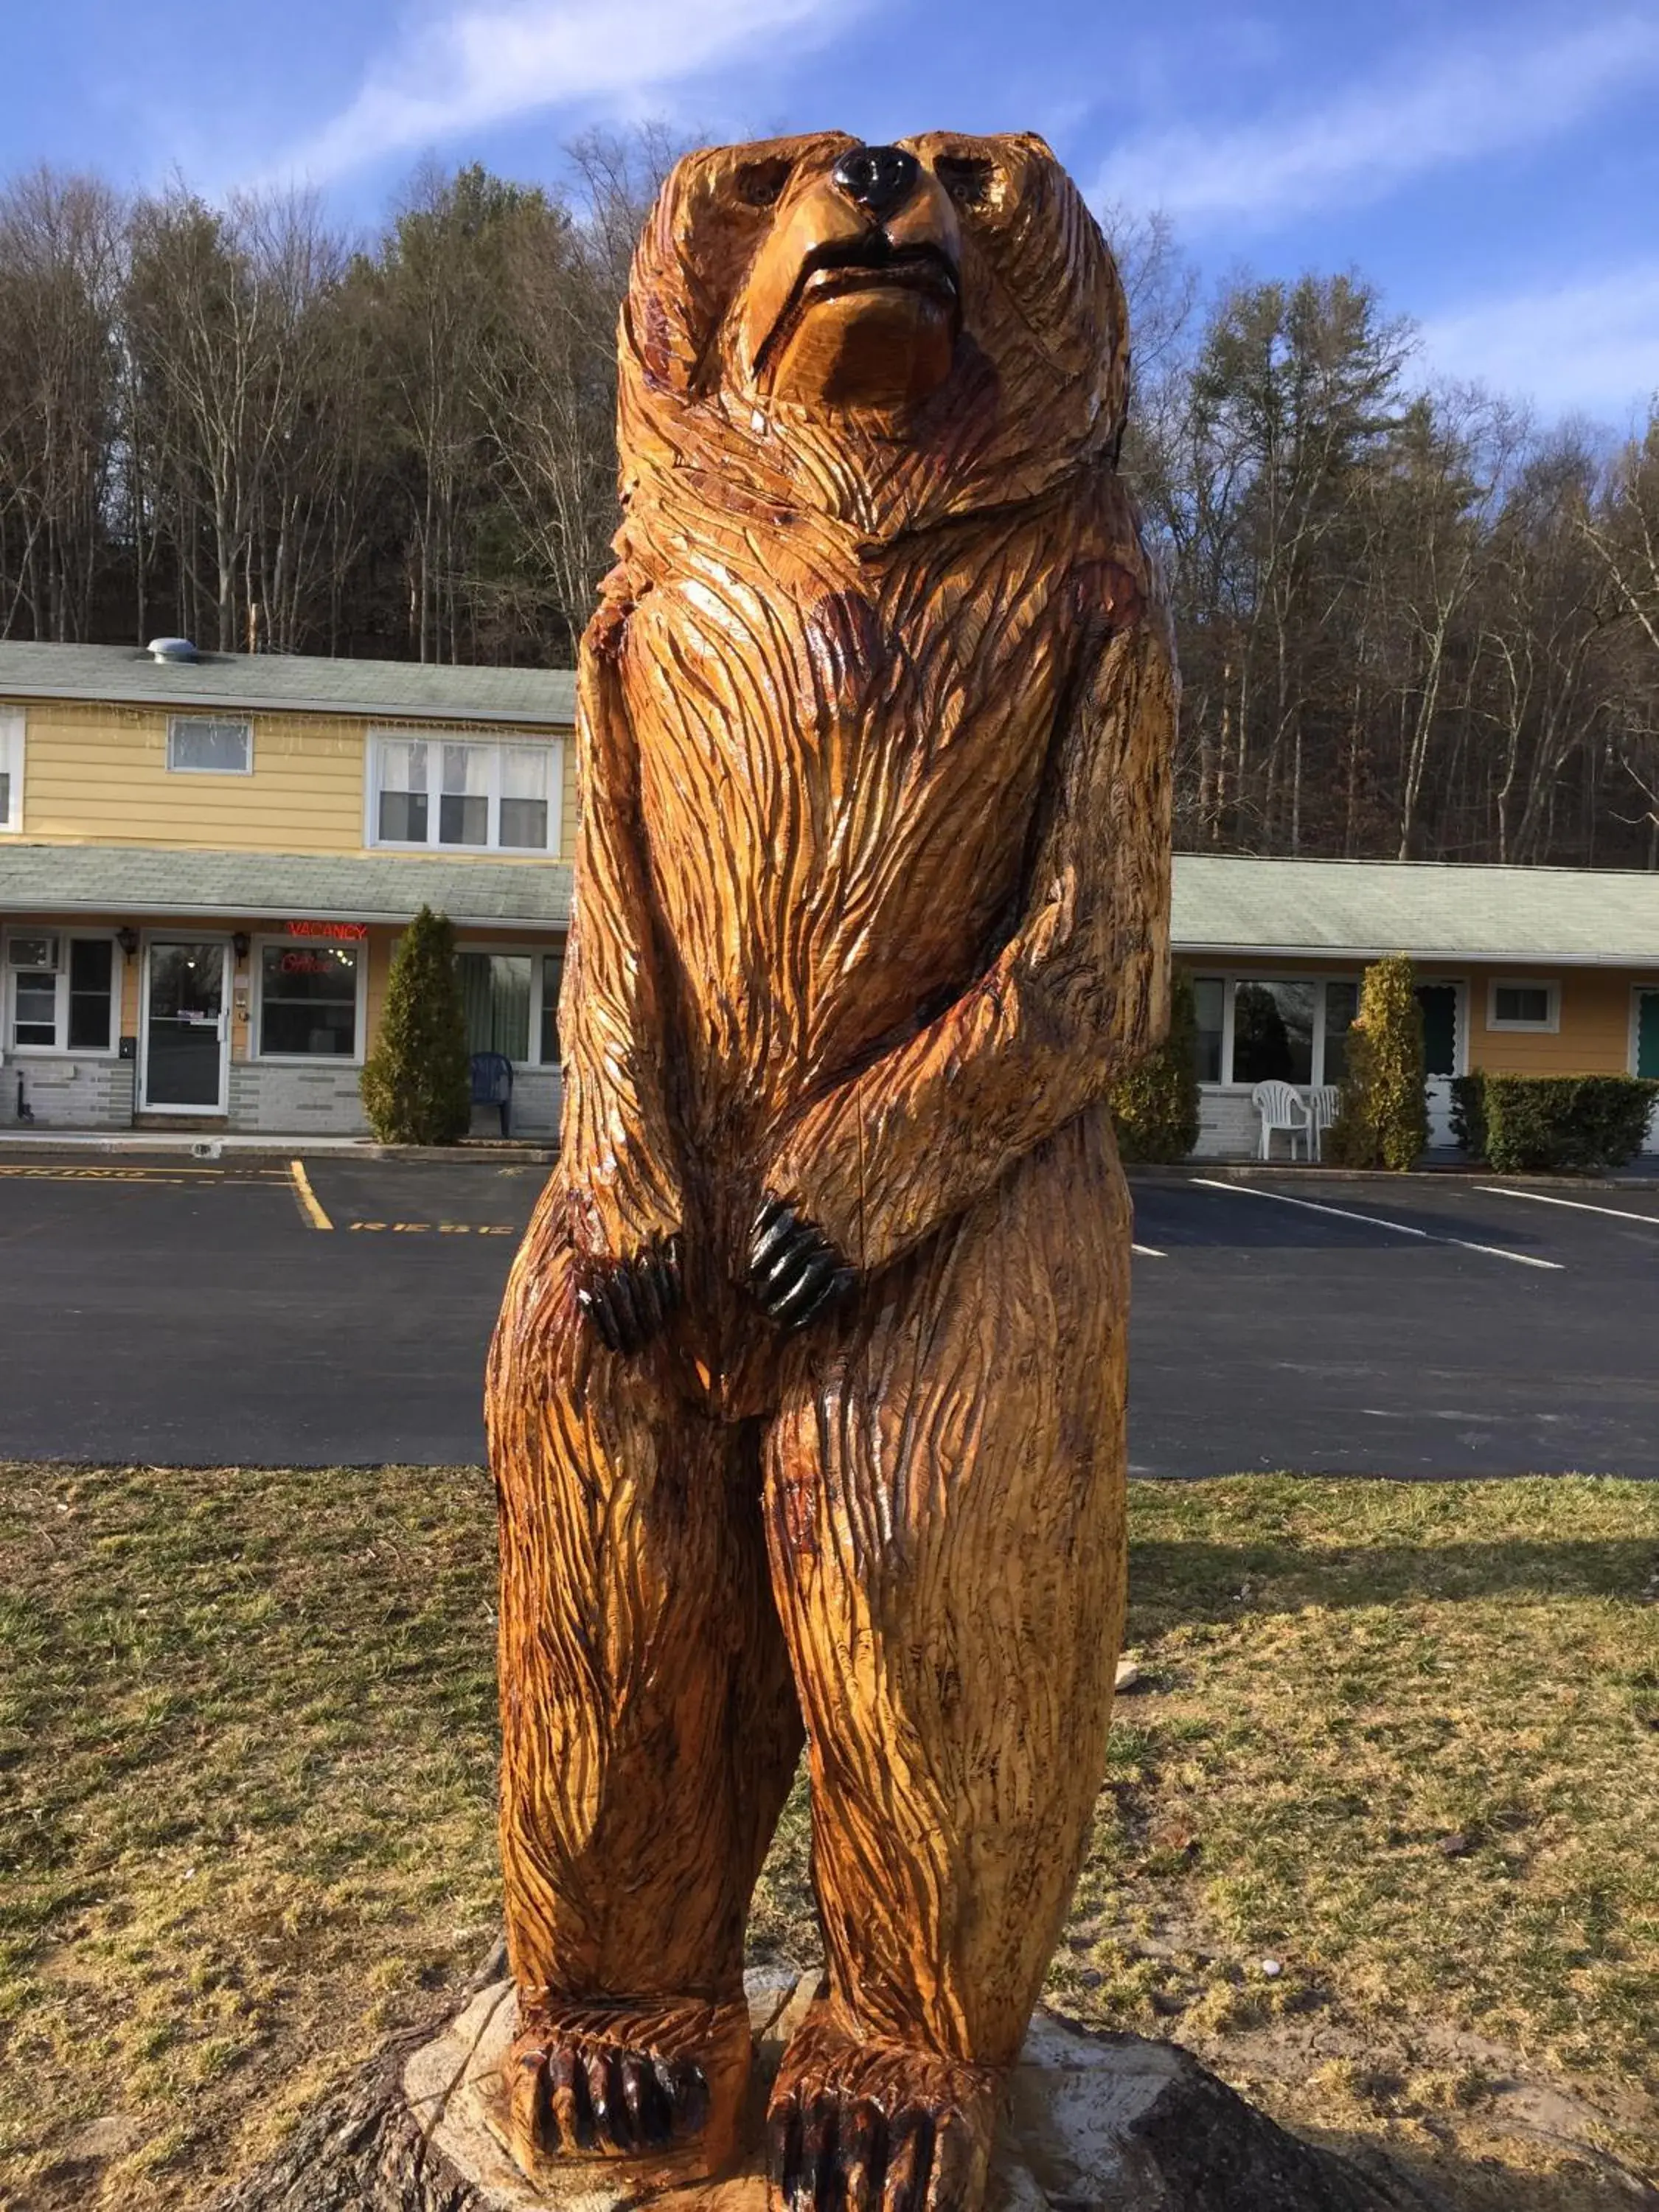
<point x="1587" y="348"/>
<point x="1466" y="103"/>
<point x="475" y="65"/>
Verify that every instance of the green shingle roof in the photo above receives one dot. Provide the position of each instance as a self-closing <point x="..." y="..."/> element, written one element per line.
<point x="1433" y="910"/>
<point x="273" y="683"/>
<point x="123" y="881"/>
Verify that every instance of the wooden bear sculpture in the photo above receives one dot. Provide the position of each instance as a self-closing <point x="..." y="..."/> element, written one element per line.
<point x="806" y="1402"/>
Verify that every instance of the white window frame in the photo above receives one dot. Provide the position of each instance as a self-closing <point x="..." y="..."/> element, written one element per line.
<point x="61" y="1003"/>
<point x="11" y="765"/>
<point x="1549" y="1027"/>
<point x="495" y="747"/>
<point x="256" y="996"/>
<point x="536" y="955"/>
<point x="177" y="722"/>
<point x="1230" y="979"/>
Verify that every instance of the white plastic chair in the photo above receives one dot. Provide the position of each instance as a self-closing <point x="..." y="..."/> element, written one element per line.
<point x="1324" y="1103"/>
<point x="1281" y="1107"/>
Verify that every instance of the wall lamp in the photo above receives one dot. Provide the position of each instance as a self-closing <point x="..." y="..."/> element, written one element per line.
<point x="239" y="943"/>
<point x="127" y="937"/>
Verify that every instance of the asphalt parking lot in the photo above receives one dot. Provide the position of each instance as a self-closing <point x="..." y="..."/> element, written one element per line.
<point x="169" y="1310"/>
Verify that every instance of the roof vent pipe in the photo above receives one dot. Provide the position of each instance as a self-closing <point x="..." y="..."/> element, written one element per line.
<point x="171" y="648"/>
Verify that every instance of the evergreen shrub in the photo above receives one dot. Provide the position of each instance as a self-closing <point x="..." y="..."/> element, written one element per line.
<point x="1562" y="1124"/>
<point x="416" y="1085"/>
<point x="1383" y="1120"/>
<point x="1155" y="1106"/>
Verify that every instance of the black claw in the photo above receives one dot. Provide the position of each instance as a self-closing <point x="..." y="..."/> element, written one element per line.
<point x="543" y="2130"/>
<point x="818" y="2164"/>
<point x="783" y="2147"/>
<point x="571" y="2101"/>
<point x="691" y="2092"/>
<point x="804" y="1292"/>
<point x="592" y="1300"/>
<point x="649" y="2111"/>
<point x="773" y="1241"/>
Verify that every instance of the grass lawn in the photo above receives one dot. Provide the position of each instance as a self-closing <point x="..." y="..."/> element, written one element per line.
<point x="1378" y="1838"/>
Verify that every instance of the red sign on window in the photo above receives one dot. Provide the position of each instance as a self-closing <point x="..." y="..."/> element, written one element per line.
<point x="344" y="933"/>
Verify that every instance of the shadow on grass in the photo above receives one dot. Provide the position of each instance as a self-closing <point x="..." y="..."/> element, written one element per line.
<point x="1175" y="1580"/>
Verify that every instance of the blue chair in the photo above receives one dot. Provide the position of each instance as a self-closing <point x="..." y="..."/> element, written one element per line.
<point x="492" y="1085"/>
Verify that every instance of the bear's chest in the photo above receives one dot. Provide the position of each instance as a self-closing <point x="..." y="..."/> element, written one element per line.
<point x="828" y="682"/>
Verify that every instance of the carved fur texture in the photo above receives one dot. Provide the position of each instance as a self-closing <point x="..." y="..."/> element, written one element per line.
<point x="806" y="1400"/>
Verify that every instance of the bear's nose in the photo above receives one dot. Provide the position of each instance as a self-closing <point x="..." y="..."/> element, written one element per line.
<point x="878" y="178"/>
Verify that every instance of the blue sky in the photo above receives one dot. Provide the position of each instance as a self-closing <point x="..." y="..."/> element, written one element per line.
<point x="1493" y="164"/>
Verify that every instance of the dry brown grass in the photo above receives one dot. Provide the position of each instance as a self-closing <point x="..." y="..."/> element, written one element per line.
<point x="1401" y="1739"/>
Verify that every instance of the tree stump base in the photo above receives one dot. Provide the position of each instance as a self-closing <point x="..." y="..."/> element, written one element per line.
<point x="1093" y="2124"/>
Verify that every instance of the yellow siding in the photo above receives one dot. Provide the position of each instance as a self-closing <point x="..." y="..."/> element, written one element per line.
<point x="96" y="774"/>
<point x="1594" y="1034"/>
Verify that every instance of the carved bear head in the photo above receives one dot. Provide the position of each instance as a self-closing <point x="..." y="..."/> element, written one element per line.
<point x="884" y="333"/>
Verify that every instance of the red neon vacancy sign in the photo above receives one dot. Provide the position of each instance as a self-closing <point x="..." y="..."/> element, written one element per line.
<point x="344" y="933"/>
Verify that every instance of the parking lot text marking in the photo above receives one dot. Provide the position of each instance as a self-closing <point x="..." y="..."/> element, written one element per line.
<point x="433" y="1228"/>
<point x="1376" y="1221"/>
<point x="308" y="1197"/>
<point x="1577" y="1205"/>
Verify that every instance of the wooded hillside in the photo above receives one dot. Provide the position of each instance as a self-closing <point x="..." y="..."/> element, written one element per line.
<point x="1412" y="623"/>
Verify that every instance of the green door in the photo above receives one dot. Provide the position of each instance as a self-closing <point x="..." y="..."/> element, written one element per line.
<point x="1647" y="1033"/>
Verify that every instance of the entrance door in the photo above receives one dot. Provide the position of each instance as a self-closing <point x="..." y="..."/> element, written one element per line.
<point x="1647" y="1051"/>
<point x="1442" y="1005"/>
<point x="186" y="1037"/>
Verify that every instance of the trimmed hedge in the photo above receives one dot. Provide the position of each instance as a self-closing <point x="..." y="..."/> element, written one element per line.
<point x="1569" y="1124"/>
<point x="416" y="1085"/>
<point x="1155" y="1107"/>
<point x="1383" y="1120"/>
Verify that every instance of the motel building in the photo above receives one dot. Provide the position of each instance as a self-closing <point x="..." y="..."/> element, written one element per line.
<point x="1520" y="971"/>
<point x="206" y="861"/>
<point x="207" y="858"/>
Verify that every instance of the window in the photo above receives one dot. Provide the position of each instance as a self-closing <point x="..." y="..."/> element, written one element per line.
<point x="199" y="745"/>
<point x="1523" y="1007"/>
<point x="495" y="998"/>
<point x="11" y="771"/>
<point x="552" y="980"/>
<point x="71" y="1008"/>
<point x="1273" y="1032"/>
<point x="1210" y="1003"/>
<point x="1341" y="1004"/>
<point x="308" y="996"/>
<point x="1262" y="1029"/>
<point x="490" y="798"/>
<point x="511" y="1003"/>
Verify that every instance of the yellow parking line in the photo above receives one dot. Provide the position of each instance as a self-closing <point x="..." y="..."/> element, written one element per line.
<point x="308" y="1197"/>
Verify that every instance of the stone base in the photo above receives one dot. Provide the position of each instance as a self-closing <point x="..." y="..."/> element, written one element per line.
<point x="1093" y="2124"/>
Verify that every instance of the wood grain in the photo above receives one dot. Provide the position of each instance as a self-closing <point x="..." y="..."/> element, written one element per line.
<point x="806" y="1402"/>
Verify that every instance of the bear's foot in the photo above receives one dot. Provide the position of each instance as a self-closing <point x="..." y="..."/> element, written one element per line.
<point x="877" y="2126"/>
<point x="659" y="2083"/>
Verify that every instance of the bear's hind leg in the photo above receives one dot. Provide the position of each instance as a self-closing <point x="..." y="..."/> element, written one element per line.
<point x="649" y="1734"/>
<point x="944" y="1510"/>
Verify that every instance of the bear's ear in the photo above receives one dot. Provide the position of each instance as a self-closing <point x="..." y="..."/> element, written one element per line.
<point x="705" y="228"/>
<point x="1021" y="212"/>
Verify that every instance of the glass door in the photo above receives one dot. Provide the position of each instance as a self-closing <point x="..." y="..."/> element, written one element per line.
<point x="1442" y="1028"/>
<point x="186" y="1036"/>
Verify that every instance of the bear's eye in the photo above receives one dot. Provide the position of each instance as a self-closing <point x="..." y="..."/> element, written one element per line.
<point x="760" y="184"/>
<point x="967" y="178"/>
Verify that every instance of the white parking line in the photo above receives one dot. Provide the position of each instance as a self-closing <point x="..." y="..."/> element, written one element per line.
<point x="1578" y="1205"/>
<point x="1376" y="1221"/>
<point x="1149" y="1252"/>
